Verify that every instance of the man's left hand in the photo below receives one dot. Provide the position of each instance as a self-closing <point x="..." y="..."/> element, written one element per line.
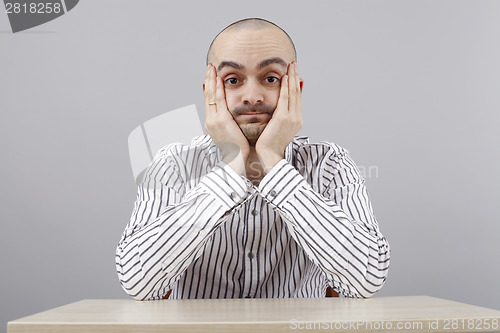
<point x="285" y="123"/>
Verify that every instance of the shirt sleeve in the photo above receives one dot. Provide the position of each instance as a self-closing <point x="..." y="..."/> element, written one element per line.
<point x="171" y="223"/>
<point x="333" y="223"/>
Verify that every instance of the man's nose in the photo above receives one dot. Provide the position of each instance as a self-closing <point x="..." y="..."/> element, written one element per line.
<point x="252" y="93"/>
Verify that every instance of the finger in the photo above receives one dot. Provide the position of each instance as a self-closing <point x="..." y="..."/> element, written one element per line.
<point x="205" y="83"/>
<point x="289" y="69"/>
<point x="206" y="80"/>
<point x="220" y="95"/>
<point x="210" y="87"/>
<point x="298" y="99"/>
<point x="283" y="102"/>
<point x="292" y="83"/>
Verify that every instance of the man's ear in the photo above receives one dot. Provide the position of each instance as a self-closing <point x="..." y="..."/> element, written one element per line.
<point x="301" y="82"/>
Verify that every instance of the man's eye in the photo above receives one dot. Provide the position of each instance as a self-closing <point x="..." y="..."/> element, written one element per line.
<point x="232" y="81"/>
<point x="272" y="79"/>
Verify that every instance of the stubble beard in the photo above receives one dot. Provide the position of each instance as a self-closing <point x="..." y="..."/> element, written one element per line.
<point x="252" y="132"/>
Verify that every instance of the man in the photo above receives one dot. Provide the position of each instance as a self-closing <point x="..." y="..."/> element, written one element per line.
<point x="251" y="210"/>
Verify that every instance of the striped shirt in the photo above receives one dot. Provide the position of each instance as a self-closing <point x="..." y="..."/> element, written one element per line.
<point x="204" y="231"/>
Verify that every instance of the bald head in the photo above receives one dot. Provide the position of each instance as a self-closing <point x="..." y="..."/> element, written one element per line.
<point x="255" y="25"/>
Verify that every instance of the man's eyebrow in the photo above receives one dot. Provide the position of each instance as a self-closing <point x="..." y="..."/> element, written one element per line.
<point x="230" y="64"/>
<point x="275" y="60"/>
<point x="262" y="64"/>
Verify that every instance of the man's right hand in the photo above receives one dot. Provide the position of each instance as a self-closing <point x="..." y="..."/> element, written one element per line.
<point x="220" y="124"/>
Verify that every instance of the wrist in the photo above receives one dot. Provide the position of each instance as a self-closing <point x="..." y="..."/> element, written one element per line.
<point x="269" y="159"/>
<point x="237" y="163"/>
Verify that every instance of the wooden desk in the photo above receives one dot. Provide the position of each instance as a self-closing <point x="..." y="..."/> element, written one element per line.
<point x="377" y="314"/>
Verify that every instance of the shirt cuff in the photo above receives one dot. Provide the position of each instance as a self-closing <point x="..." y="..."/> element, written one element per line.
<point x="280" y="183"/>
<point x="226" y="185"/>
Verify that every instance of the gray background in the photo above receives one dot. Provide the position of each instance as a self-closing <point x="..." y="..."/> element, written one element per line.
<point x="411" y="88"/>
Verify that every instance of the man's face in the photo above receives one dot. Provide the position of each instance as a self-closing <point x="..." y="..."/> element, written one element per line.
<point x="251" y="64"/>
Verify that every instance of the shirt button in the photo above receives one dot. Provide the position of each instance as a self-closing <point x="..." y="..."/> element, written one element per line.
<point x="308" y="230"/>
<point x="255" y="212"/>
<point x="251" y="255"/>
<point x="272" y="193"/>
<point x="233" y="195"/>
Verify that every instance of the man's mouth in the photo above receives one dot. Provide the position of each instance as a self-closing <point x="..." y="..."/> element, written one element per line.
<point x="251" y="113"/>
<point x="253" y="117"/>
<point x="255" y="109"/>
